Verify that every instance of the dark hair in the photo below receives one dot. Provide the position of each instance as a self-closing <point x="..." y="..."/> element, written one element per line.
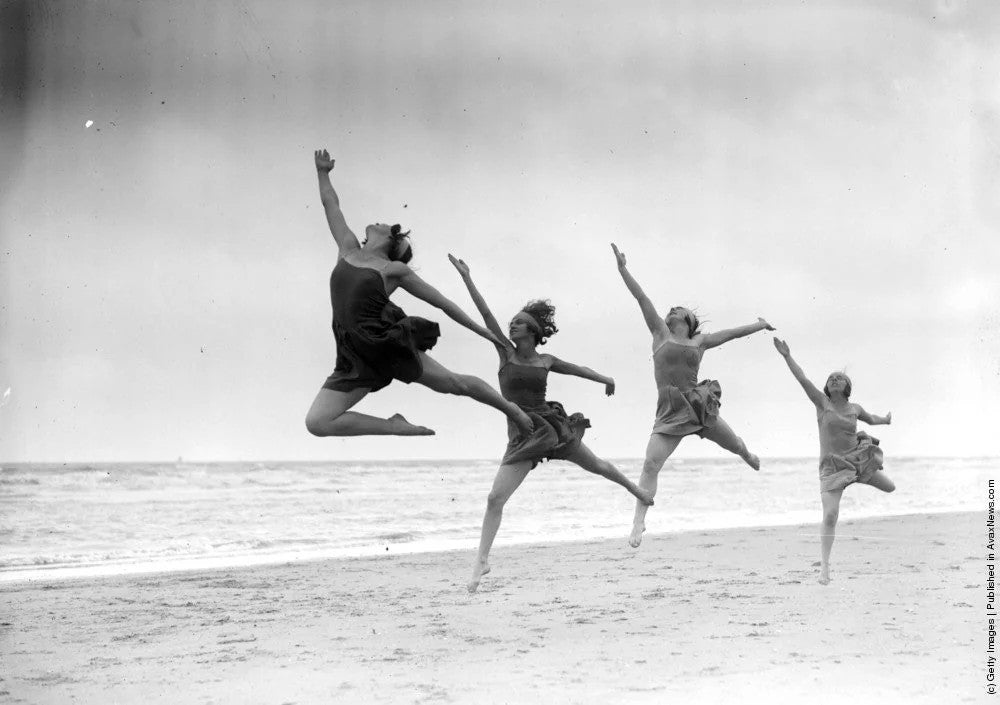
<point x="847" y="389"/>
<point x="397" y="253"/>
<point x="544" y="313"/>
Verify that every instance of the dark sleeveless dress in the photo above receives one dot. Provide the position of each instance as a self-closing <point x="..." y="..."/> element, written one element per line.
<point x="376" y="341"/>
<point x="684" y="405"/>
<point x="556" y="434"/>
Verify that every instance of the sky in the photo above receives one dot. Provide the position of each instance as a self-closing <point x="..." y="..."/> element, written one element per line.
<point x="164" y="259"/>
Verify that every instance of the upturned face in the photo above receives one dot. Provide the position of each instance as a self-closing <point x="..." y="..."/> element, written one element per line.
<point x="837" y="382"/>
<point x="676" y="317"/>
<point x="521" y="326"/>
<point x="377" y="232"/>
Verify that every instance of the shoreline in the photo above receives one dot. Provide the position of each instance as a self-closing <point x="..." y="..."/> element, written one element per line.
<point x="165" y="567"/>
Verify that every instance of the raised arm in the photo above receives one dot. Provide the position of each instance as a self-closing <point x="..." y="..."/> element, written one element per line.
<point x="872" y="419"/>
<point x="344" y="237"/>
<point x="711" y="340"/>
<point x="815" y="396"/>
<point x="409" y="281"/>
<point x="568" y="368"/>
<point x="484" y="309"/>
<point x="657" y="326"/>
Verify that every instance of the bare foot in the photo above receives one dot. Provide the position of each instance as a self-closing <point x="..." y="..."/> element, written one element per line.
<point x="478" y="571"/>
<point x="824" y="577"/>
<point x="402" y="427"/>
<point x="644" y="496"/>
<point x="636" y="536"/>
<point x="753" y="461"/>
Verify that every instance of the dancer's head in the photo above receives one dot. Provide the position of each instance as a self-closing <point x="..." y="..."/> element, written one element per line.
<point x="535" y="321"/>
<point x="838" y="382"/>
<point x="390" y="239"/>
<point x="682" y="321"/>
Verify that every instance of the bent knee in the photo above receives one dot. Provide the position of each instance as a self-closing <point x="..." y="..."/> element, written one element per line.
<point x="889" y="487"/>
<point x="495" y="502"/>
<point x="313" y="425"/>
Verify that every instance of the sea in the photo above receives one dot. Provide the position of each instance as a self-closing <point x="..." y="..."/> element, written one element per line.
<point x="69" y="520"/>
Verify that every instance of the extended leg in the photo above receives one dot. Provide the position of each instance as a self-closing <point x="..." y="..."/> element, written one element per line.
<point x="439" y="378"/>
<point x="508" y="479"/>
<point x="585" y="458"/>
<point x="658" y="450"/>
<point x="724" y="436"/>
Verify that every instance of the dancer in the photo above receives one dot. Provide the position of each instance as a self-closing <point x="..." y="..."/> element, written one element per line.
<point x="523" y="373"/>
<point x="846" y="455"/>
<point x="685" y="406"/>
<point x="376" y="341"/>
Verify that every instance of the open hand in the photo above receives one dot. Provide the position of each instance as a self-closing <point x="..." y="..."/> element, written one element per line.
<point x="460" y="265"/>
<point x="609" y="387"/>
<point x="620" y="256"/>
<point x="767" y="326"/>
<point x="782" y="347"/>
<point x="323" y="161"/>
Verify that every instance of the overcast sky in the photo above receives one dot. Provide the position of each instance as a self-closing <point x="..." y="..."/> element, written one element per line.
<point x="164" y="271"/>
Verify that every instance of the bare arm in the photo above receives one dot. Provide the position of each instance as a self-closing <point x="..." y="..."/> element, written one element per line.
<point x="657" y="326"/>
<point x="344" y="237"/>
<point x="872" y="419"/>
<point x="711" y="340"/>
<point x="409" y="281"/>
<point x="815" y="396"/>
<point x="484" y="309"/>
<point x="568" y="368"/>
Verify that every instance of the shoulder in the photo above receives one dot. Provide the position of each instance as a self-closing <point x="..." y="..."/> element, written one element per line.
<point x="549" y="360"/>
<point x="397" y="270"/>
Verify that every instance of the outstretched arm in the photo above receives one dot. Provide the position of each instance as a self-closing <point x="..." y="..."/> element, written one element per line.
<point x="711" y="340"/>
<point x="815" y="396"/>
<point x="657" y="326"/>
<point x="872" y="419"/>
<point x="344" y="237"/>
<point x="484" y="309"/>
<point x="568" y="368"/>
<point x="409" y="281"/>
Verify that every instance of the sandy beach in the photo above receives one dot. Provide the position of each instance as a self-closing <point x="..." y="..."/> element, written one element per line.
<point x="713" y="616"/>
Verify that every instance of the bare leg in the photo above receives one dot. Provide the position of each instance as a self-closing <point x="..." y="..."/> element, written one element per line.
<point x="585" y="458"/>
<point x="658" y="450"/>
<point x="880" y="481"/>
<point x="831" y="512"/>
<point x="508" y="479"/>
<point x="329" y="416"/>
<point x="724" y="436"/>
<point x="439" y="378"/>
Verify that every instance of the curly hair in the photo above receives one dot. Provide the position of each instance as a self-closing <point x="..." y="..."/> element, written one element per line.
<point x="544" y="313"/>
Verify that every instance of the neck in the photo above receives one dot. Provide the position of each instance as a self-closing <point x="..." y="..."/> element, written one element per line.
<point x="838" y="398"/>
<point x="525" y="347"/>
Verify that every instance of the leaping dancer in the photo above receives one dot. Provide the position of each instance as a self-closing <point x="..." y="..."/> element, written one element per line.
<point x="846" y="455"/>
<point x="684" y="406"/>
<point x="557" y="435"/>
<point x="376" y="341"/>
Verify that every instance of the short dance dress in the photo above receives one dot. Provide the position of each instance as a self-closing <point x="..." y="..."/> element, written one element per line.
<point x="861" y="460"/>
<point x="376" y="341"/>
<point x="684" y="405"/>
<point x="556" y="434"/>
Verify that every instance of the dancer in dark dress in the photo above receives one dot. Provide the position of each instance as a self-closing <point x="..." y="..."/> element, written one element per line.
<point x="556" y="435"/>
<point x="376" y="341"/>
<point x="846" y="455"/>
<point x="684" y="406"/>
